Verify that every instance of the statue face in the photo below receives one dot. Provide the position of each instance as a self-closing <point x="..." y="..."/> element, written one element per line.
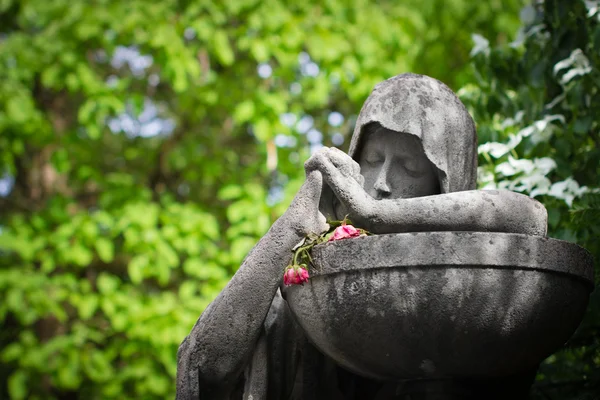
<point x="394" y="166"/>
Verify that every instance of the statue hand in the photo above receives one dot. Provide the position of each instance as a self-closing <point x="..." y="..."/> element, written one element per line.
<point x="304" y="211"/>
<point x="342" y="161"/>
<point x="342" y="175"/>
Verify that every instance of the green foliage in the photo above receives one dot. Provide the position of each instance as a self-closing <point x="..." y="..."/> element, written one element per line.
<point x="536" y="103"/>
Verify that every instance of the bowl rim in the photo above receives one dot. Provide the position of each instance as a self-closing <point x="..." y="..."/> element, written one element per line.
<point x="455" y="249"/>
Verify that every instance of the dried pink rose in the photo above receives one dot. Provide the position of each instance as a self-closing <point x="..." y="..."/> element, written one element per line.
<point x="289" y="277"/>
<point x="303" y="274"/>
<point x="344" y="232"/>
<point x="295" y="275"/>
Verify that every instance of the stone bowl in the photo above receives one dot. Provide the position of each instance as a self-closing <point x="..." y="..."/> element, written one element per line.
<point x="437" y="305"/>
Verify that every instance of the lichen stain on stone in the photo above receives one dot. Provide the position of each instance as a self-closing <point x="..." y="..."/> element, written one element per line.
<point x="425" y="101"/>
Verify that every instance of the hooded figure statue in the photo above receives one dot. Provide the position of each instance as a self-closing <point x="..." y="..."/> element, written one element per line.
<point x="246" y="343"/>
<point x="428" y="109"/>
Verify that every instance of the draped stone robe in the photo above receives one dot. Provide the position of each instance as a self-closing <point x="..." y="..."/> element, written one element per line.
<point x="286" y="366"/>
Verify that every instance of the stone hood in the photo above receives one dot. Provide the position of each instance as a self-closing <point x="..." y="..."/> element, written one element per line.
<point x="427" y="108"/>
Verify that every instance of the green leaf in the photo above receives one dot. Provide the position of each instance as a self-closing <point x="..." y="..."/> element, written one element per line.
<point x="80" y="255"/>
<point x="166" y="252"/>
<point x="105" y="249"/>
<point x="193" y="266"/>
<point x="263" y="130"/>
<point x="223" y="48"/>
<point x="93" y="131"/>
<point x="136" y="268"/>
<point x="5" y="5"/>
<point x="230" y="192"/>
<point x="98" y="367"/>
<point x="87" y="306"/>
<point x="241" y="246"/>
<point x="204" y="270"/>
<point x="187" y="290"/>
<point x="85" y="114"/>
<point x="16" y="109"/>
<point x="244" y="111"/>
<point x="259" y="50"/>
<point x="89" y="230"/>
<point x="51" y="76"/>
<point x="210" y="227"/>
<point x="68" y="375"/>
<point x="12" y="352"/>
<point x="17" y="385"/>
<point x="583" y="125"/>
<point x="107" y="284"/>
<point x="60" y="160"/>
<point x="242" y="210"/>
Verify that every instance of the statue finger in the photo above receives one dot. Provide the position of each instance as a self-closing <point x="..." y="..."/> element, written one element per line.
<point x="317" y="160"/>
<point x="313" y="187"/>
<point x="348" y="190"/>
<point x="344" y="162"/>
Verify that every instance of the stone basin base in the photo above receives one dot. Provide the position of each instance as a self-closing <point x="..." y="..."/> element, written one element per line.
<point x="462" y="309"/>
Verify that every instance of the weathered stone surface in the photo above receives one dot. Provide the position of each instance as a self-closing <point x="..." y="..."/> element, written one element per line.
<point x="443" y="304"/>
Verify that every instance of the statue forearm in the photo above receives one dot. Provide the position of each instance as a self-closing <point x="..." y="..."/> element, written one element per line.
<point x="216" y="351"/>
<point x="475" y="210"/>
<point x="222" y="340"/>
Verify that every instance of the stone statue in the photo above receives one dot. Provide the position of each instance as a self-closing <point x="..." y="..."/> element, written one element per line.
<point x="411" y="167"/>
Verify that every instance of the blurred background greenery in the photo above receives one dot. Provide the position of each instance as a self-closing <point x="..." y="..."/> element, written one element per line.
<point x="146" y="146"/>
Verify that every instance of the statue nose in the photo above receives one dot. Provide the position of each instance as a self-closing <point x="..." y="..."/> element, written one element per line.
<point x="381" y="185"/>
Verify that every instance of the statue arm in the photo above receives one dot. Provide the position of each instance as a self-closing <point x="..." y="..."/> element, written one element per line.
<point x="220" y="345"/>
<point x="473" y="210"/>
